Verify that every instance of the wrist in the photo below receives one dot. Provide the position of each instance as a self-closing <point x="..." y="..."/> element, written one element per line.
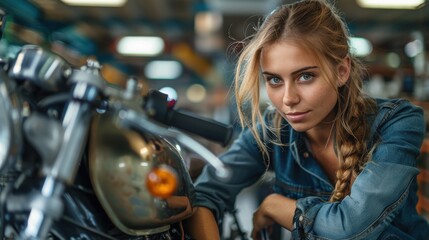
<point x="280" y="209"/>
<point x="298" y="224"/>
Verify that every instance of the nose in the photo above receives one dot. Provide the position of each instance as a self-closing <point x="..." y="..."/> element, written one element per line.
<point x="290" y="95"/>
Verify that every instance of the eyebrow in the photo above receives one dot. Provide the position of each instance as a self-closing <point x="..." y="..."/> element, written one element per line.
<point x="294" y="72"/>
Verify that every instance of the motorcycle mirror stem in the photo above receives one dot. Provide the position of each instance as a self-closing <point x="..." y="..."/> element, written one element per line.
<point x="2" y="21"/>
<point x="2" y="27"/>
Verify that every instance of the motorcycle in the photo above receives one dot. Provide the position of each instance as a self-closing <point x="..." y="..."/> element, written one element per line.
<point x="84" y="159"/>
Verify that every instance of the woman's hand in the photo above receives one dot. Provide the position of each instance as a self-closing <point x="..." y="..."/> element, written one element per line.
<point x="274" y="209"/>
<point x="261" y="219"/>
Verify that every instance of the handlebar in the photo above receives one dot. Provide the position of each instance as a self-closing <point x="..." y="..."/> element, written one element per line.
<point x="162" y="111"/>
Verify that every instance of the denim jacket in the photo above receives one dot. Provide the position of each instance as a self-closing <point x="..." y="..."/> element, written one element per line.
<point x="382" y="202"/>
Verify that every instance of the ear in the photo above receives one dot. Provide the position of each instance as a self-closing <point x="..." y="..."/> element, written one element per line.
<point x="344" y="71"/>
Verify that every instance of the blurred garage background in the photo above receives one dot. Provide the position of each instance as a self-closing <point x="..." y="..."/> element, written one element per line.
<point x="187" y="48"/>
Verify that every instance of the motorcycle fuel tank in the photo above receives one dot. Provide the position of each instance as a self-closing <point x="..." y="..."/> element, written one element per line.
<point x="122" y="163"/>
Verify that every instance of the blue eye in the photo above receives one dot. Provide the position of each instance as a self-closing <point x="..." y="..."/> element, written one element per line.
<point x="306" y="77"/>
<point x="274" y="81"/>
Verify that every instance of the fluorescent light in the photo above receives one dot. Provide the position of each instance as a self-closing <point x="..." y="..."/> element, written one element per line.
<point x="98" y="3"/>
<point x="158" y="69"/>
<point x="140" y="46"/>
<point x="396" y="4"/>
<point x="360" y="47"/>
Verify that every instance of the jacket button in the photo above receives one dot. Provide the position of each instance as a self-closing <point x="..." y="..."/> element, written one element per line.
<point x="305" y="154"/>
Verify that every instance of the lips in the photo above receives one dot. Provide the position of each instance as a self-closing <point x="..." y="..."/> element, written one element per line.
<point x="296" y="116"/>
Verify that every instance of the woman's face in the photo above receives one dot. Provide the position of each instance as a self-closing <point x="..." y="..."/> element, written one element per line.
<point x="296" y="86"/>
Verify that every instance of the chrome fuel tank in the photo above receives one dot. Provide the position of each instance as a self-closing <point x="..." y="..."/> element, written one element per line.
<point x="121" y="164"/>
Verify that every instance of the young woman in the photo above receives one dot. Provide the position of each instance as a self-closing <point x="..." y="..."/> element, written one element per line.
<point x="345" y="164"/>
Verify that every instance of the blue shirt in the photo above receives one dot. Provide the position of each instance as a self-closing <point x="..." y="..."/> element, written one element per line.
<point x="383" y="198"/>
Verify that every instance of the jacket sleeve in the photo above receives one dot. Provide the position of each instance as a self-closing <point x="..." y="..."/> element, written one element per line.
<point x="247" y="165"/>
<point x="244" y="160"/>
<point x="379" y="191"/>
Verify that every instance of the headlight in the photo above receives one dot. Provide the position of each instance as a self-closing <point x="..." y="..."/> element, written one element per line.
<point x="140" y="179"/>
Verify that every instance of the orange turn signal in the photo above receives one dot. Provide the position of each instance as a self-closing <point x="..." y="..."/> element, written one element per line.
<point x="162" y="181"/>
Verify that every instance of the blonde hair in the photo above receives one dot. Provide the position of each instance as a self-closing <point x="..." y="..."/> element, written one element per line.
<point x="316" y="26"/>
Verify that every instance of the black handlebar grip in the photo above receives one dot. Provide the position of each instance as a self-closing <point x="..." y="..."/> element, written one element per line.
<point x="160" y="109"/>
<point x="204" y="127"/>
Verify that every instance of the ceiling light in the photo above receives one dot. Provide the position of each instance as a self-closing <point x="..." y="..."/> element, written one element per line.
<point x="393" y="60"/>
<point x="414" y="48"/>
<point x="208" y="22"/>
<point x="96" y="3"/>
<point x="168" y="69"/>
<point x="140" y="46"/>
<point x="196" y="93"/>
<point x="360" y="47"/>
<point x="396" y="4"/>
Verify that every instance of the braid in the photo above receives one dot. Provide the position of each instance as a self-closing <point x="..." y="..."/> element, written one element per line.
<point x="352" y="149"/>
<point x="347" y="173"/>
